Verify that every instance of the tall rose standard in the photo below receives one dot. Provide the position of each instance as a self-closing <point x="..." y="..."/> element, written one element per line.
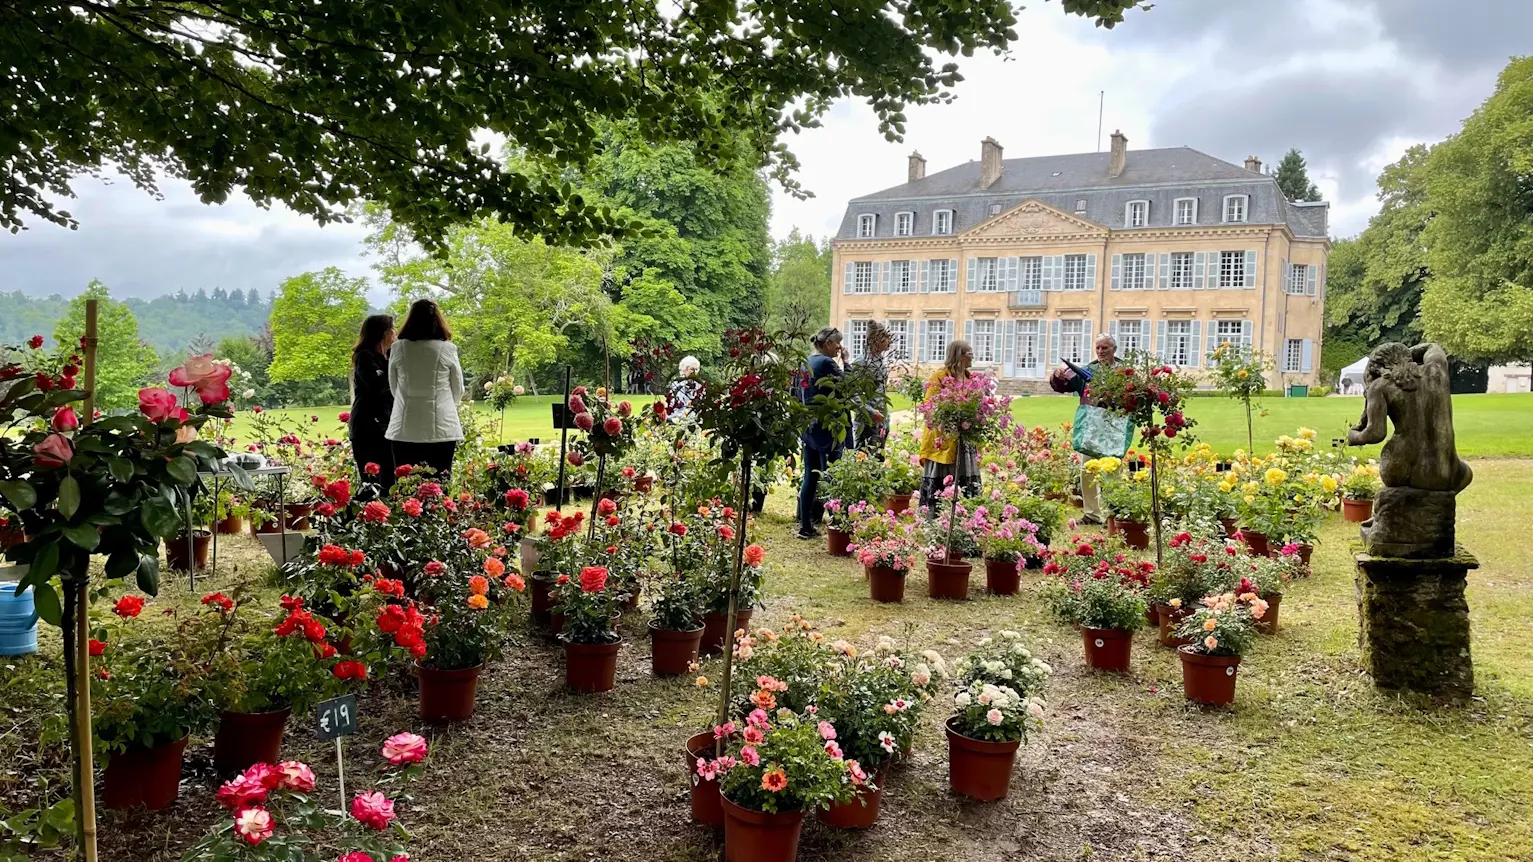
<point x="969" y="411"/>
<point x="1241" y="375"/>
<point x="1152" y="396"/>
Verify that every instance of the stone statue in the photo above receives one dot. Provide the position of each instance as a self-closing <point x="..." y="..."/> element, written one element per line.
<point x="1413" y="514"/>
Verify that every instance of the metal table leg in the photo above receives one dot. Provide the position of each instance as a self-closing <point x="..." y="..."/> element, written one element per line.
<point x="217" y="485"/>
<point x="191" y="547"/>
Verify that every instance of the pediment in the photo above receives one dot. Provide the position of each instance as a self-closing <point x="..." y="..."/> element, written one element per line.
<point x="1033" y="218"/>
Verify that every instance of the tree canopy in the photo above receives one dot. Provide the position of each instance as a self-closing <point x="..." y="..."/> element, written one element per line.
<point x="315" y="318"/>
<point x="799" y="286"/>
<point x="1292" y="177"/>
<point x="320" y="104"/>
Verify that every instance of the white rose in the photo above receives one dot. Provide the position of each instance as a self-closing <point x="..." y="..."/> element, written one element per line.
<point x="248" y="393"/>
<point x="921" y="677"/>
<point x="1035" y="709"/>
<point x="962" y="699"/>
<point x="984" y="642"/>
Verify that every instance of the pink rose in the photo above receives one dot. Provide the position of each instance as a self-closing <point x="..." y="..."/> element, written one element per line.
<point x="209" y="378"/>
<point x="64" y="419"/>
<point x="624" y="408"/>
<point x="585" y="421"/>
<point x="577" y="404"/>
<point x="372" y="809"/>
<point x="159" y="405"/>
<point x="253" y="824"/>
<point x="296" y="776"/>
<point x="242" y="791"/>
<point x="54" y="451"/>
<point x="613" y="426"/>
<point x="404" y="748"/>
<point x="576" y="459"/>
<point x="827" y="730"/>
<point x="357" y="856"/>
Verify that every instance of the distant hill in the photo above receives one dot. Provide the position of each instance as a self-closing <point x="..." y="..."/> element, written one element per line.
<point x="170" y="323"/>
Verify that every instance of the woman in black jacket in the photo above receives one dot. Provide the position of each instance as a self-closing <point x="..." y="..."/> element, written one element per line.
<point x="371" y="400"/>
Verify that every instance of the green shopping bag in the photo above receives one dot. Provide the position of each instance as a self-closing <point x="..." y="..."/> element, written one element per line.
<point x="1098" y="433"/>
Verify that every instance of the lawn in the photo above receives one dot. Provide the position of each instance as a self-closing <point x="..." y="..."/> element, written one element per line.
<point x="1310" y="763"/>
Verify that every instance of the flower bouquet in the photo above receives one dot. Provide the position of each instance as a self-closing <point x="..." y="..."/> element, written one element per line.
<point x="999" y="699"/>
<point x="1218" y="633"/>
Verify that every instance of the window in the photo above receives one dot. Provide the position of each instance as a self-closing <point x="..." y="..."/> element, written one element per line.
<point x="1181" y="270"/>
<point x="1073" y="341"/>
<point x="1030" y="347"/>
<point x="899" y="348"/>
<point x="1137" y="214"/>
<point x="1232" y="269"/>
<point x="985" y="342"/>
<point x="1232" y="332"/>
<point x="1293" y="354"/>
<point x="904" y="223"/>
<point x="857" y="339"/>
<point x="1131" y="336"/>
<point x="864" y="277"/>
<point x="1075" y="273"/>
<point x="995" y="209"/>
<point x="1235" y="208"/>
<point x="1031" y="274"/>
<point x="902" y="277"/>
<point x="1178" y="347"/>
<point x="1298" y="275"/>
<point x="944" y="276"/>
<point x="1080" y="205"/>
<point x="1134" y="271"/>
<point x="936" y="340"/>
<point x="1186" y="211"/>
<point x="987" y="275"/>
<point x="942" y="222"/>
<point x="865" y="226"/>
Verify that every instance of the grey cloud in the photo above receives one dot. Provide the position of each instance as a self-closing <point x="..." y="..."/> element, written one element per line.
<point x="1459" y="33"/>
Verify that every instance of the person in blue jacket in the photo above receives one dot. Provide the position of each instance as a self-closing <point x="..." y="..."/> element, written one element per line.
<point x="821" y="447"/>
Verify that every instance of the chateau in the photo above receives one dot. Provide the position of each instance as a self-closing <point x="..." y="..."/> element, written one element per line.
<point x="1168" y="250"/>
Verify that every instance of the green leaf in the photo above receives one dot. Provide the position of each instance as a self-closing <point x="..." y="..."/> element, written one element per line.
<point x="160" y="517"/>
<point x="19" y="494"/>
<point x="241" y="478"/>
<point x="149" y="575"/>
<point x="120" y="468"/>
<point x="183" y="470"/>
<point x="118" y="504"/>
<point x="122" y="564"/>
<point x="83" y="536"/>
<point x="69" y="496"/>
<point x="45" y="562"/>
<point x="47" y="603"/>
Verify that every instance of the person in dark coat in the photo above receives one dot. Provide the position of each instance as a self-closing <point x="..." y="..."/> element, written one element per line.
<point x="371" y="401"/>
<point x="821" y="448"/>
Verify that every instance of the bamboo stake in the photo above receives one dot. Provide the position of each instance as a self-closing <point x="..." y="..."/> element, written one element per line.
<point x="85" y="787"/>
<point x="734" y="596"/>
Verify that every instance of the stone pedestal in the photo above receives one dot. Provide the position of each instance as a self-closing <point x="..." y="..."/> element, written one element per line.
<point x="1410" y="522"/>
<point x="1415" y="623"/>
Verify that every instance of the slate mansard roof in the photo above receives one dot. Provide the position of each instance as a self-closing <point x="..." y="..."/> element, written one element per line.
<point x="1159" y="176"/>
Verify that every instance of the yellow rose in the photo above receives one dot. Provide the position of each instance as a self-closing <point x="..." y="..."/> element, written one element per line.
<point x="1274" y="476"/>
<point x="1250" y="499"/>
<point x="1328" y="483"/>
<point x="1242" y="374"/>
<point x="1226" y="487"/>
<point x="1306" y="433"/>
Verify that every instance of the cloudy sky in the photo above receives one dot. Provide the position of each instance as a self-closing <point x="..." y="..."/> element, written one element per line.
<point x="1351" y="83"/>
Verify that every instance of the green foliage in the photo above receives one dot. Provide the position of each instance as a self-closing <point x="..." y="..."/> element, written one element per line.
<point x="1293" y="178"/>
<point x="1479" y="242"/>
<point x="1095" y="603"/>
<point x="798" y="286"/>
<point x="314" y="323"/>
<point x="123" y="361"/>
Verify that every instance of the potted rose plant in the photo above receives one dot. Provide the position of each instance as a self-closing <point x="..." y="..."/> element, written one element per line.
<point x="1218" y="633"/>
<point x="589" y="634"/>
<point x="1006" y="543"/>
<point x="902" y="471"/>
<point x="1358" y="488"/>
<point x="1126" y="496"/>
<point x="999" y="700"/>
<point x="968" y="411"/>
<point x="1193" y="568"/>
<point x="949" y="539"/>
<point x="556" y="549"/>
<point x="886" y="543"/>
<point x="707" y="547"/>
<point x="856" y="478"/>
<point x="1105" y="604"/>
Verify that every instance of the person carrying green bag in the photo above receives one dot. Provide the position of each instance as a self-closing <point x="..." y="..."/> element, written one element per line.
<point x="1095" y="433"/>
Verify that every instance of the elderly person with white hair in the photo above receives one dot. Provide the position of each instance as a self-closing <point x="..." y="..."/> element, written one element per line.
<point x="684" y="390"/>
<point x="1066" y="380"/>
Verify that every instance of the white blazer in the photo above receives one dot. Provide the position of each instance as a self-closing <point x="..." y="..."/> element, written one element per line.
<point x="427" y="383"/>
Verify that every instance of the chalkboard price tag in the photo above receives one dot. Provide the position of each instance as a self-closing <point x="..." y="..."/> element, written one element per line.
<point x="337" y="717"/>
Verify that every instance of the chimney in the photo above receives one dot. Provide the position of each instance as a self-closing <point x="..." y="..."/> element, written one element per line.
<point x="1253" y="164"/>
<point x="1119" y="156"/>
<point x="989" y="162"/>
<point x="917" y="167"/>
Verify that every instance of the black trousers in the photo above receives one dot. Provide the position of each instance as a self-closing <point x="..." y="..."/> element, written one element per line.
<point x="437" y="456"/>
<point x="373" y="449"/>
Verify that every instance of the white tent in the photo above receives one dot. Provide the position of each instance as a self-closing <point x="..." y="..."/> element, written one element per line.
<point x="1350" y="381"/>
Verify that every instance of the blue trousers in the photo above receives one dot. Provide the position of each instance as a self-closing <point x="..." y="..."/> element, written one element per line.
<point x="810" y="508"/>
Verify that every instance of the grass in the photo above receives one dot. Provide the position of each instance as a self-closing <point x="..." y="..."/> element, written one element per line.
<point x="1310" y="764"/>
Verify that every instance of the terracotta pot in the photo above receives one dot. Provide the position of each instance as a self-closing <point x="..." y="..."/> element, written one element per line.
<point x="1170" y="619"/>
<point x="147" y="777"/>
<point x="448" y="695"/>
<point x="231" y="526"/>
<point x="714" y="634"/>
<point x="898" y="503"/>
<point x="1306" y="550"/>
<point x="1107" y="649"/>
<point x="1228" y="525"/>
<point x="862" y="811"/>
<point x="298" y="515"/>
<point x="1151" y="618"/>
<point x="643" y="484"/>
<point x="541" y="586"/>
<point x="247" y="738"/>
<point x="591" y="668"/>
<point x="707" y="805"/>
<point x="1257" y="542"/>
<point x="175" y="550"/>
<point x="978" y="769"/>
<point x="948" y="580"/>
<point x="266" y="527"/>
<point x="755" y="836"/>
<point x="1135" y="534"/>
<point x="1356" y="511"/>
<point x="1208" y="679"/>
<point x="1112" y="526"/>
<point x="836" y="542"/>
<point x="885" y="584"/>
<point x="1002" y="578"/>
<point x="1268" y="624"/>
<point x="630" y="601"/>
<point x="673" y="652"/>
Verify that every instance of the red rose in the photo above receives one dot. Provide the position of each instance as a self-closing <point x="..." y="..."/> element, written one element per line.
<point x="576" y="459"/>
<point x="613" y="520"/>
<point x="97" y="647"/>
<point x="35" y="342"/>
<point x="64" y="419"/>
<point x="606" y="507"/>
<point x="349" y="670"/>
<point x="593" y="579"/>
<point x="128" y="606"/>
<point x="435" y="568"/>
<point x="325" y="510"/>
<point x="1163" y="397"/>
<point x="334" y="555"/>
<point x="678" y="528"/>
<point x="372" y="469"/>
<point x="403" y="470"/>
<point x="412" y="507"/>
<point x="375" y="512"/>
<point x="358" y="558"/>
<point x="339" y="491"/>
<point x="344" y="417"/>
<point x="613" y="426"/>
<point x="516" y="498"/>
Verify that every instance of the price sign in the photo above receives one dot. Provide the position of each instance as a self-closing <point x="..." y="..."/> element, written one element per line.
<point x="337" y="717"/>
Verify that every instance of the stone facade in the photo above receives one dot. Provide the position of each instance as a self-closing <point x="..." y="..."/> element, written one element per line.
<point x="1170" y="251"/>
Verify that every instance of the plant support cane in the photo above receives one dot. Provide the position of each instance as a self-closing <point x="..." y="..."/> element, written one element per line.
<point x="76" y="631"/>
<point x="734" y="595"/>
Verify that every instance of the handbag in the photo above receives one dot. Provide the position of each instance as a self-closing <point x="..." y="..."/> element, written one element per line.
<point x="1099" y="434"/>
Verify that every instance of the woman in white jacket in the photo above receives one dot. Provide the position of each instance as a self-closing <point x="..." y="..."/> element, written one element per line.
<point x="427" y="384"/>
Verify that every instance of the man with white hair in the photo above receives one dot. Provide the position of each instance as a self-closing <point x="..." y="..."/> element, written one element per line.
<point x="1064" y="379"/>
<point x="684" y="390"/>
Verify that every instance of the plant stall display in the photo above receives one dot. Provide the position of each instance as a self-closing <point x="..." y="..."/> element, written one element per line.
<point x="852" y="480"/>
<point x="1218" y="633"/>
<point x="1242" y="375"/>
<point x="886" y="544"/>
<point x="1006" y="542"/>
<point x="999" y="700"/>
<point x="1097" y="589"/>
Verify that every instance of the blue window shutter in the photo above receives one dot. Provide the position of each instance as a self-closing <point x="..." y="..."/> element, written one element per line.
<point x="1306" y="355"/>
<point x="1091" y="272"/>
<point x="846" y="281"/>
<point x="1246" y="330"/>
<point x="1250" y="268"/>
<point x="1199" y="260"/>
<point x="1164" y="271"/>
<point x="1053" y="343"/>
<point x="1009" y="344"/>
<point x="1309" y="280"/>
<point x="1195" y="348"/>
<point x="1117" y="272"/>
<point x="969" y="278"/>
<point x="1159" y="348"/>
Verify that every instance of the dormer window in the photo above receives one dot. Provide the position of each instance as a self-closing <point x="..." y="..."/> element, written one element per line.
<point x="942" y="222"/>
<point x="1080" y="205"/>
<point x="904" y="223"/>
<point x="1137" y="214"/>
<point x="1186" y="211"/>
<point x="1235" y="208"/>
<point x="865" y="225"/>
<point x="995" y="209"/>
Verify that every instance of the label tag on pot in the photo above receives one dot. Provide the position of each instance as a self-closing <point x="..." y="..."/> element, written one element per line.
<point x="337" y="717"/>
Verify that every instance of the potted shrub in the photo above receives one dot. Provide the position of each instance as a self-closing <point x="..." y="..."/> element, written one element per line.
<point x="1192" y="568"/>
<point x="229" y="517"/>
<point x="886" y="543"/>
<point x="902" y="472"/>
<point x="675" y="630"/>
<point x="1006" y="543"/>
<point x="1268" y="579"/>
<point x="855" y="478"/>
<point x="999" y="699"/>
<point x="1126" y="496"/>
<point x="1218" y="632"/>
<point x="590" y="638"/>
<point x="1106" y="604"/>
<point x="194" y="538"/>
<point x="1046" y="516"/>
<point x="1358" y="488"/>
<point x="557" y="548"/>
<point x="949" y="539"/>
<point x="707" y="554"/>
